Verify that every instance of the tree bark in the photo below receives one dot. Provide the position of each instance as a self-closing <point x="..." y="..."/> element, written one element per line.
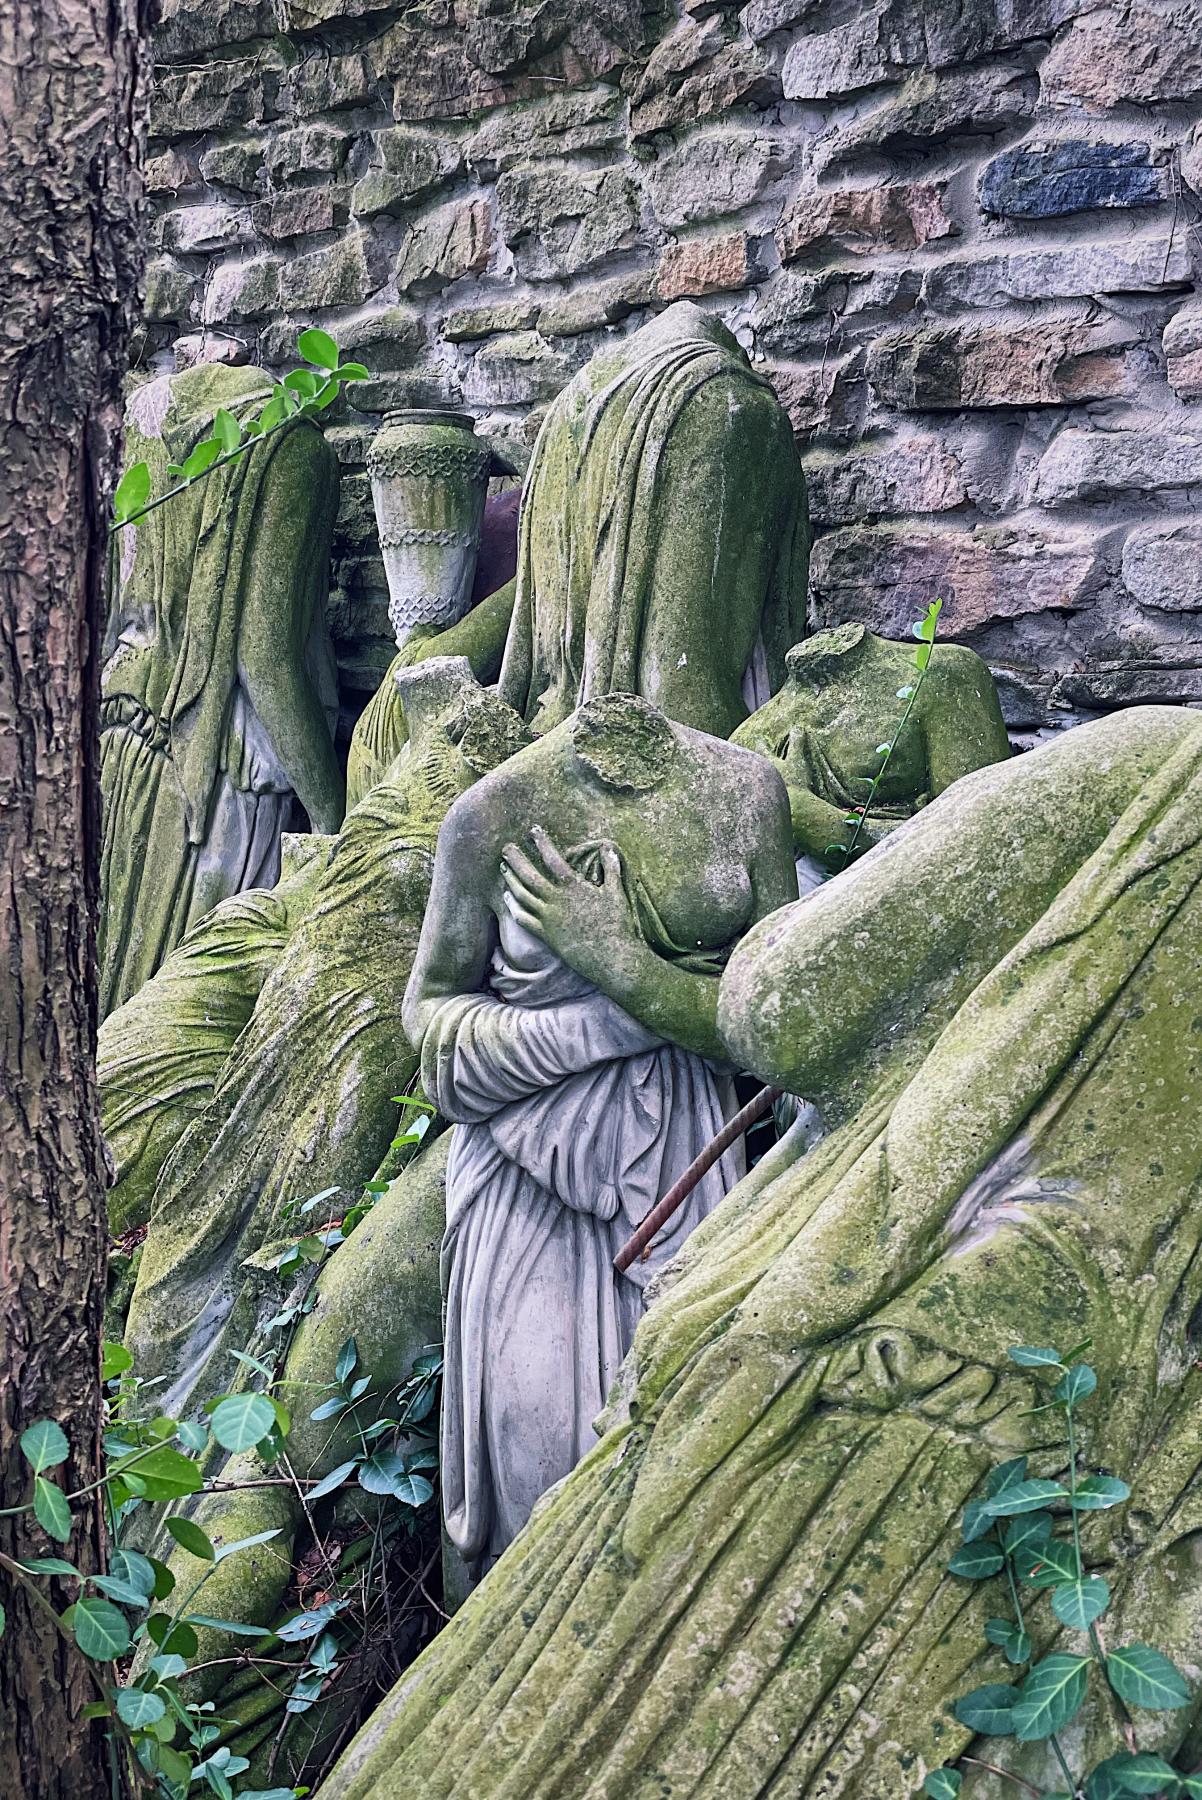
<point x="70" y="100"/>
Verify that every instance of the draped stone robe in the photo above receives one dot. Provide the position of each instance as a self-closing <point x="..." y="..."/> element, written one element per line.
<point x="195" y="794"/>
<point x="663" y="545"/>
<point x="572" y="1121"/>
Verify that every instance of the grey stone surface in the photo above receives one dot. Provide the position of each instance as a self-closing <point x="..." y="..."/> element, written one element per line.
<point x="711" y="174"/>
<point x="1097" y="465"/>
<point x="954" y="225"/>
<point x="1162" y="566"/>
<point x="562" y="224"/>
<point x="1040" y="180"/>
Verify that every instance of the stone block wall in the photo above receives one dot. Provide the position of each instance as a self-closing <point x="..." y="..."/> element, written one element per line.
<point x="961" y="235"/>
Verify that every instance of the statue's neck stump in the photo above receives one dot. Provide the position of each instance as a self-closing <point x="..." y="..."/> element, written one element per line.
<point x="625" y="743"/>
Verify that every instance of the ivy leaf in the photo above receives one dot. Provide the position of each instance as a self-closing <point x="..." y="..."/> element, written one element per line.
<point x="227" y="431"/>
<point x="1075" y="1384"/>
<point x="51" y="1565"/>
<point x="272" y="414"/>
<point x="121" y="1591"/>
<point x="324" y="397"/>
<point x="1144" y="1773"/>
<point x="943" y="1784"/>
<point x="241" y="1421"/>
<point x="412" y="1490"/>
<point x="236" y="1627"/>
<point x="115" y="1358"/>
<point x="1034" y="1356"/>
<point x="1017" y="1648"/>
<point x="51" y="1509"/>
<point x="352" y="371"/>
<point x="318" y="347"/>
<point x="1026" y="1496"/>
<point x="330" y="1409"/>
<point x="164" y="1580"/>
<point x="333" y="1480"/>
<point x="133" y="491"/>
<point x="987" y="1709"/>
<point x="998" y="1631"/>
<point x="138" y="1709"/>
<point x="1078" y="1603"/>
<point x="302" y="382"/>
<point x="100" y="1630"/>
<point x="1026" y="1530"/>
<point x="173" y="1637"/>
<point x="167" y="1474"/>
<point x="191" y="1538"/>
<point x="201" y="458"/>
<point x="1006" y="1475"/>
<point x="1049" y="1564"/>
<point x="1097" y="1492"/>
<point x="44" y="1446"/>
<point x="975" y="1561"/>
<point x="348" y="1356"/>
<point x="309" y="1624"/>
<point x="1050" y="1696"/>
<point x="381" y="1471"/>
<point x="192" y="1436"/>
<point x="1143" y="1677"/>
<point x="247" y="1543"/>
<point x="135" y="1569"/>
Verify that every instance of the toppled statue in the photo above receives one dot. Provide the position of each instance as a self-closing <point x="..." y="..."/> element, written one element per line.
<point x="218" y="679"/>
<point x="823" y="730"/>
<point x="563" y="998"/>
<point x="744" y="1590"/>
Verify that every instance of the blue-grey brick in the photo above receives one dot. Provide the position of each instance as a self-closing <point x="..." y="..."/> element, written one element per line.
<point x="1044" y="180"/>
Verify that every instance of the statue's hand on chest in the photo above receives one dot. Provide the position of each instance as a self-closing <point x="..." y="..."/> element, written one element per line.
<point x="583" y="914"/>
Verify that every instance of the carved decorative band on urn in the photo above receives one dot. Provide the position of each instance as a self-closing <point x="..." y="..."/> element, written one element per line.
<point x="429" y="476"/>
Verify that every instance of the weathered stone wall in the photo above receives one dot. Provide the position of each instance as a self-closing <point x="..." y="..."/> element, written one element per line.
<point x="961" y="234"/>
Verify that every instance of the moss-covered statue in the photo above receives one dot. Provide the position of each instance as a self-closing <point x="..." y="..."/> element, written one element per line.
<point x="742" y="1592"/>
<point x="585" y="898"/>
<point x="218" y="683"/>
<point x="823" y="730"/>
<point x="663" y="545"/>
<point x="305" y="1100"/>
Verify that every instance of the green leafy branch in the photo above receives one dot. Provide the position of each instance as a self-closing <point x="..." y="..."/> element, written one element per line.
<point x="300" y="395"/>
<point x="924" y="630"/>
<point x="1011" y="1532"/>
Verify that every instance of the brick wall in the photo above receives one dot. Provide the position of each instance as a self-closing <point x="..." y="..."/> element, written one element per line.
<point x="960" y="234"/>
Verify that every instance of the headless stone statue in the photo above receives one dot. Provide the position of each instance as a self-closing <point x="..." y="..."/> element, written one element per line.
<point x="563" y="998"/>
<point x="305" y="1100"/>
<point x="218" y="683"/>
<point x="664" y="539"/>
<point x="824" y="727"/>
<point x="663" y="546"/>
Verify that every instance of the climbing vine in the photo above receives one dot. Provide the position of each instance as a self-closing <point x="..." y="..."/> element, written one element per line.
<point x="300" y="395"/>
<point x="1024" y="1532"/>
<point x="166" y="1744"/>
<point x="924" y="630"/>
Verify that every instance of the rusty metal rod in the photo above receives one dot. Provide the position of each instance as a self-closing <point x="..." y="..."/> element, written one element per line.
<point x="680" y="1190"/>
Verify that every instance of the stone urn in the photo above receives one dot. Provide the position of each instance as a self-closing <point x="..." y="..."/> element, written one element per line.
<point x="429" y="473"/>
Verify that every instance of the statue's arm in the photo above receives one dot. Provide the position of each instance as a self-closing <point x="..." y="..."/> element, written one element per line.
<point x="961" y="717"/>
<point x="458" y="929"/>
<point x="480" y="636"/>
<point x="291" y="527"/>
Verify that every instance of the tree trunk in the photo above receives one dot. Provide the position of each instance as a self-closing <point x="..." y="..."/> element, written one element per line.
<point x="69" y="271"/>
